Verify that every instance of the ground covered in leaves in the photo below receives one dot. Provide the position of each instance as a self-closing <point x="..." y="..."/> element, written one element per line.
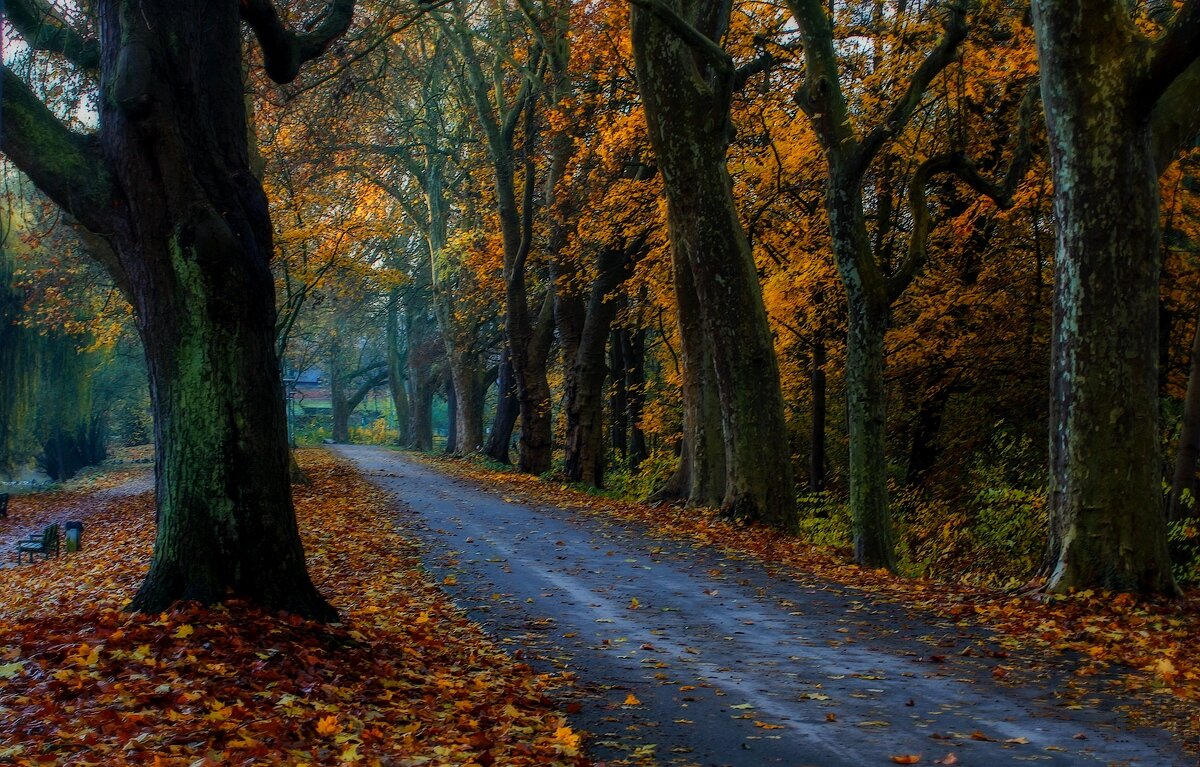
<point x="405" y="680"/>
<point x="1148" y="652"/>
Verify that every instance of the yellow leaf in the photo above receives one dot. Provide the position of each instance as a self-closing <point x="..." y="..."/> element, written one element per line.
<point x="184" y="631"/>
<point x="328" y="725"/>
<point x="631" y="700"/>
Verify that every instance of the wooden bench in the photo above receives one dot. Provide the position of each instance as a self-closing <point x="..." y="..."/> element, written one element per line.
<point x="45" y="544"/>
<point x="4" y="505"/>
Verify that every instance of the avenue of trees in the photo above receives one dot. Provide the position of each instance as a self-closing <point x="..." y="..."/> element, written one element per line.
<point x="914" y="277"/>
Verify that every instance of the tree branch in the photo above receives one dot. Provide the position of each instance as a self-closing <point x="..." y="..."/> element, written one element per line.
<point x="1175" y="122"/>
<point x="44" y="30"/>
<point x="946" y="51"/>
<point x="697" y="40"/>
<point x="65" y="165"/>
<point x="284" y="51"/>
<point x="1171" y="55"/>
<point x="922" y="220"/>
<point x="759" y="64"/>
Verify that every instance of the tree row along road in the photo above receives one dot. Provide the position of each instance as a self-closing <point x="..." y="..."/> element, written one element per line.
<point x="729" y="665"/>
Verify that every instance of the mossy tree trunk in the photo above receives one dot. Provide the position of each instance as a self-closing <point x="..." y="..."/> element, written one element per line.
<point x="167" y="181"/>
<point x="870" y="285"/>
<point x="687" y="82"/>
<point x="1101" y="84"/>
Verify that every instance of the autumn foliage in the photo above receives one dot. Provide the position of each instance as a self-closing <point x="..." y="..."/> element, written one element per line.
<point x="404" y="679"/>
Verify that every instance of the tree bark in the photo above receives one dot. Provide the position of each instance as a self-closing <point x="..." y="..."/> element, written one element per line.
<point x="507" y="410"/>
<point x="686" y="91"/>
<point x="633" y="342"/>
<point x="396" y="366"/>
<point x="421" y="430"/>
<point x="340" y="413"/>
<point x="585" y="387"/>
<point x="700" y="477"/>
<point x="1107" y="526"/>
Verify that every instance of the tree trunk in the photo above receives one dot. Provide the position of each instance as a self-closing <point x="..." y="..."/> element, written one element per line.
<point x="195" y="243"/>
<point x="633" y="343"/>
<point x="687" y="100"/>
<point x="507" y="409"/>
<point x="167" y="180"/>
<point x="421" y="430"/>
<point x="339" y="407"/>
<point x="466" y="379"/>
<point x="923" y="450"/>
<point x="1183" y="485"/>
<point x="1107" y="526"/>
<point x="865" y="396"/>
<point x="816" y="450"/>
<point x="585" y="392"/>
<point x="396" y="365"/>
<point x="700" y="477"/>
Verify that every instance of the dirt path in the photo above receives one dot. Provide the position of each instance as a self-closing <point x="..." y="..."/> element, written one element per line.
<point x="729" y="665"/>
<point x="18" y="526"/>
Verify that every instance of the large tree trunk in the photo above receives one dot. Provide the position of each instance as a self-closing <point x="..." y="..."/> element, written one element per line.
<point x="467" y="381"/>
<point x="1107" y="526"/>
<point x="1183" y="484"/>
<point x="194" y="243"/>
<point x="507" y="410"/>
<point x="421" y="407"/>
<point x="865" y="403"/>
<point x="687" y="99"/>
<point x="339" y="407"/>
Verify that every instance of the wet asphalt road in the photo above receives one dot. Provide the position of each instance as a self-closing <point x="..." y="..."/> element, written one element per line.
<point x="731" y="665"/>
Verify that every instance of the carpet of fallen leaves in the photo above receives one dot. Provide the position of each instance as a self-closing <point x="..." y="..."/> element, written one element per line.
<point x="1148" y="652"/>
<point x="404" y="680"/>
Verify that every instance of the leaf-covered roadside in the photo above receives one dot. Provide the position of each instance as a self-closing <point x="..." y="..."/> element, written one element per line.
<point x="1149" y="651"/>
<point x="405" y="680"/>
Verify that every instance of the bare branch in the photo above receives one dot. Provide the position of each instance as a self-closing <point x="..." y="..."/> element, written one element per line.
<point x="943" y="54"/>
<point x="284" y="51"/>
<point x="44" y="30"/>
<point x="66" y="166"/>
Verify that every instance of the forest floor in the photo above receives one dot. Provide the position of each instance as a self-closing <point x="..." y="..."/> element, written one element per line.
<point x="405" y="680"/>
<point x="700" y="642"/>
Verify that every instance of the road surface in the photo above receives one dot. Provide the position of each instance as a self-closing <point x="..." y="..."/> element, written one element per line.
<point x="732" y="666"/>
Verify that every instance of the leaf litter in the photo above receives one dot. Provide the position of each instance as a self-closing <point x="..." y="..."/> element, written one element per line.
<point x="405" y="680"/>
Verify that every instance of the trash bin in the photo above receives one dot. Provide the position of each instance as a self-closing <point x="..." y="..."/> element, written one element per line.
<point x="74" y="536"/>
